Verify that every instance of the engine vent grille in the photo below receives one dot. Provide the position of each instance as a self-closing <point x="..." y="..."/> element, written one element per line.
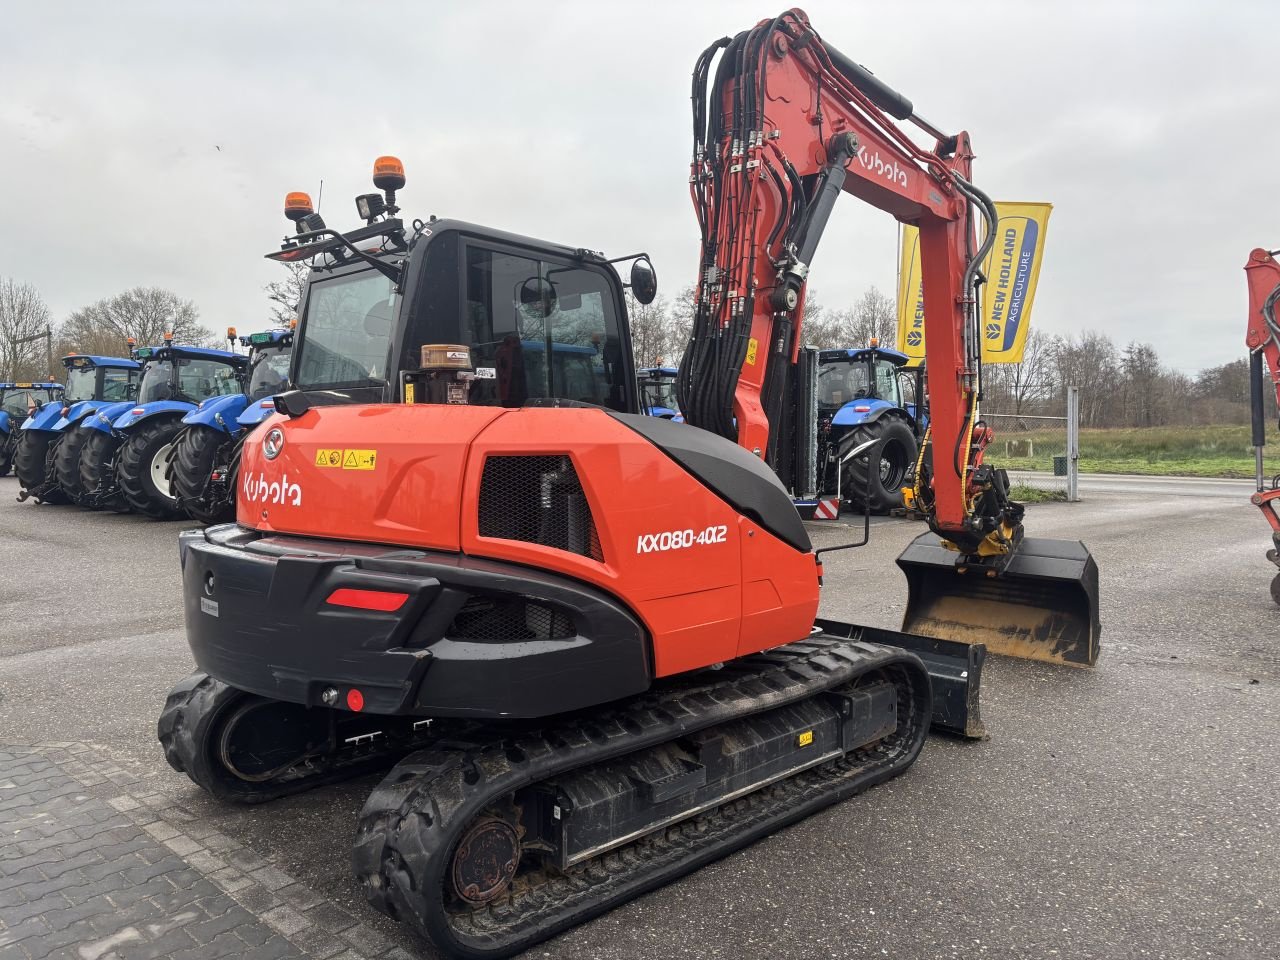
<point x="509" y="620"/>
<point x="537" y="499"/>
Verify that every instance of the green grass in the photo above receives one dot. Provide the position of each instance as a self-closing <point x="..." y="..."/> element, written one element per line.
<point x="1024" y="494"/>
<point x="1222" y="451"/>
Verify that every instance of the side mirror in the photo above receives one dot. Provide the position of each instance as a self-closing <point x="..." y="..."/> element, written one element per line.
<point x="644" y="280"/>
<point x="538" y="297"/>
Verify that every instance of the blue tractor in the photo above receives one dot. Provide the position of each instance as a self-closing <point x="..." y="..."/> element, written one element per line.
<point x="124" y="460"/>
<point x="205" y="457"/>
<point x="861" y="398"/>
<point x="92" y="382"/>
<point x="658" y="392"/>
<point x="17" y="402"/>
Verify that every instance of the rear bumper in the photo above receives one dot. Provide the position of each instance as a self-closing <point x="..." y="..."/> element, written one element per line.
<point x="475" y="638"/>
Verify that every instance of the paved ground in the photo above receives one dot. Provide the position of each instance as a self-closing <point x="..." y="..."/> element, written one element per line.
<point x="1128" y="811"/>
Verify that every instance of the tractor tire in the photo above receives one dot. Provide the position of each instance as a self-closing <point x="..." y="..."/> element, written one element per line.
<point x="1275" y="588"/>
<point x="142" y="468"/>
<point x="67" y="464"/>
<point x="98" y="472"/>
<point x="6" y="455"/>
<point x="33" y="464"/>
<point x="196" y="452"/>
<point x="894" y="457"/>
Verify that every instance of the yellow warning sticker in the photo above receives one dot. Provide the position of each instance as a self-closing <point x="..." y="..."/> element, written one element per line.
<point x="328" y="458"/>
<point x="752" y="346"/>
<point x="358" y="459"/>
<point x="805" y="738"/>
<point x="408" y="393"/>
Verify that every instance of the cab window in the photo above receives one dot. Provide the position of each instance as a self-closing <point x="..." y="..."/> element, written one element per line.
<point x="887" y="382"/>
<point x="116" y="382"/>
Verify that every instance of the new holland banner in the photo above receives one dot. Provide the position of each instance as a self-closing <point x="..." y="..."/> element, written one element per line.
<point x="1012" y="269"/>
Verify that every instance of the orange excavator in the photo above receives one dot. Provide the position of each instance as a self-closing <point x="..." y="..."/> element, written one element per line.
<point x="1262" y="337"/>
<point x="597" y="631"/>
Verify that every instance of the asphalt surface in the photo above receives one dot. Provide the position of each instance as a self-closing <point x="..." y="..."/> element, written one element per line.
<point x="1126" y="811"/>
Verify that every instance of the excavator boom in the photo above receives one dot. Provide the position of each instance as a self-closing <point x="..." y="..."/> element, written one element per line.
<point x="785" y="125"/>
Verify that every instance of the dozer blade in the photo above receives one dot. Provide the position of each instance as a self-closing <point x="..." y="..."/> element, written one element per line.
<point x="1042" y="605"/>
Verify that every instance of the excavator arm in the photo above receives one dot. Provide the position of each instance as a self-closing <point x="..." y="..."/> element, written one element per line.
<point x="1262" y="337"/>
<point x="783" y="127"/>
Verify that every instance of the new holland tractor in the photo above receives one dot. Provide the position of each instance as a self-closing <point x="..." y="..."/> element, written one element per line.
<point x="204" y="459"/>
<point x="861" y="399"/>
<point x="124" y="461"/>
<point x="92" y="382"/>
<point x="658" y="392"/>
<point x="17" y="402"/>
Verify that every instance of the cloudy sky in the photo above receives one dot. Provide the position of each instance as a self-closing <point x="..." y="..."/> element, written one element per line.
<point x="153" y="144"/>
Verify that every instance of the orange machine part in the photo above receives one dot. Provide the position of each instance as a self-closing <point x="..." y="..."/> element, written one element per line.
<point x="709" y="584"/>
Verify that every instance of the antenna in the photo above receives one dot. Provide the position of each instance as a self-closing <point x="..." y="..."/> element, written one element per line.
<point x="320" y="195"/>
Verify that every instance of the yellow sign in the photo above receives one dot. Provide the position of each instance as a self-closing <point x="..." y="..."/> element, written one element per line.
<point x="805" y="739"/>
<point x="408" y="393"/>
<point x="358" y="459"/>
<point x="328" y="458"/>
<point x="1012" y="269"/>
<point x="752" y="346"/>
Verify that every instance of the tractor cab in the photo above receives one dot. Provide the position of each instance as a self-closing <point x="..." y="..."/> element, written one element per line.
<point x="188" y="375"/>
<point x="658" y="393"/>
<point x="511" y="320"/>
<point x="18" y="400"/>
<point x="853" y="384"/>
<point x="269" y="355"/>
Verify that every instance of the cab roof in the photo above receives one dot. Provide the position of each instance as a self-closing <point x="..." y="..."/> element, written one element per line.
<point x="202" y="353"/>
<point x="862" y="353"/>
<point x="92" y="360"/>
<point x="658" y="371"/>
<point x="30" y="385"/>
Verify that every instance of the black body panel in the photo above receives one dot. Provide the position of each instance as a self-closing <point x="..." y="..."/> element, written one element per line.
<point x="475" y="638"/>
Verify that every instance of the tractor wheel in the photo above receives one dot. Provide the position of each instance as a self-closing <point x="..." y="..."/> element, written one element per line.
<point x="1275" y="588"/>
<point x="891" y="459"/>
<point x="142" y="468"/>
<point x="196" y="452"/>
<point x="6" y="455"/>
<point x="98" y="472"/>
<point x="33" y="464"/>
<point x="67" y="464"/>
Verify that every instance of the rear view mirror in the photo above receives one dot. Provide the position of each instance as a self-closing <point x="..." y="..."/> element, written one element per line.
<point x="644" y="280"/>
<point x="538" y="297"/>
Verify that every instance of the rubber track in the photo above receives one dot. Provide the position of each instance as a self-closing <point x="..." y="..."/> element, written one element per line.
<point x="414" y="818"/>
<point x="67" y="464"/>
<point x="130" y="470"/>
<point x="195" y="452"/>
<point x="98" y="472"/>
<point x="190" y="721"/>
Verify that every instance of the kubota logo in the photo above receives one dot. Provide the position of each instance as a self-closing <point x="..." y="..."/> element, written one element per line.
<point x="890" y="171"/>
<point x="259" y="490"/>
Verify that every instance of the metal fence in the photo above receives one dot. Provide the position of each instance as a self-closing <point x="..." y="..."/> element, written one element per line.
<point x="1042" y="452"/>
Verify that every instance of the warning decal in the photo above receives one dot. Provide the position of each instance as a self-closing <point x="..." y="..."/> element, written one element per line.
<point x="347" y="459"/>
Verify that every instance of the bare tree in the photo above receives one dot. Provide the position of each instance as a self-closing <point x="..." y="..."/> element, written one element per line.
<point x="1088" y="360"/>
<point x="23" y="314"/>
<point x="820" y="328"/>
<point x="144" y="313"/>
<point x="286" y="295"/>
<point x="1022" y="387"/>
<point x="874" y="315"/>
<point x="651" y="333"/>
<point x="1141" y="384"/>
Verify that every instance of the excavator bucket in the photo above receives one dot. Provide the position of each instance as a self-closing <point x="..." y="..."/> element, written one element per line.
<point x="1043" y="604"/>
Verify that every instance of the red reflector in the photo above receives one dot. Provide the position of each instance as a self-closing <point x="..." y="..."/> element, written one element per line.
<point x="367" y="599"/>
<point x="861" y="409"/>
<point x="355" y="699"/>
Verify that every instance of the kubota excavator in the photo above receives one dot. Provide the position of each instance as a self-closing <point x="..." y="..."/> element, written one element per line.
<point x="1262" y="337"/>
<point x="598" y="628"/>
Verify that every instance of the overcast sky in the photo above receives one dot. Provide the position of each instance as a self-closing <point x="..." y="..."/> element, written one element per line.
<point x="153" y="144"/>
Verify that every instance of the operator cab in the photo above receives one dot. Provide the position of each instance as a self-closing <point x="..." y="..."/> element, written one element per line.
<point x="188" y="374"/>
<point x="537" y="321"/>
<point x="113" y="379"/>
<point x="269" y="355"/>
<point x="658" y="393"/>
<point x="18" y="399"/>
<point x="867" y="373"/>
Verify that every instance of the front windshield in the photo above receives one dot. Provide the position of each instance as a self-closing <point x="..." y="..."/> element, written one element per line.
<point x="660" y="393"/>
<point x="81" y="382"/>
<point x="348" y="328"/>
<point x="269" y="373"/>
<point x="17" y="401"/>
<point x="840" y="381"/>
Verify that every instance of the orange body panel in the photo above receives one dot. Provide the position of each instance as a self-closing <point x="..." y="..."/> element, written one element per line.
<point x="708" y="583"/>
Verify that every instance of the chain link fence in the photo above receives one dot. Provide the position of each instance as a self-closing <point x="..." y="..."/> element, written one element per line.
<point x="1040" y="452"/>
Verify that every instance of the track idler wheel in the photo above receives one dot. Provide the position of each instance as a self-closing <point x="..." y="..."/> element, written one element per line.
<point x="485" y="861"/>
